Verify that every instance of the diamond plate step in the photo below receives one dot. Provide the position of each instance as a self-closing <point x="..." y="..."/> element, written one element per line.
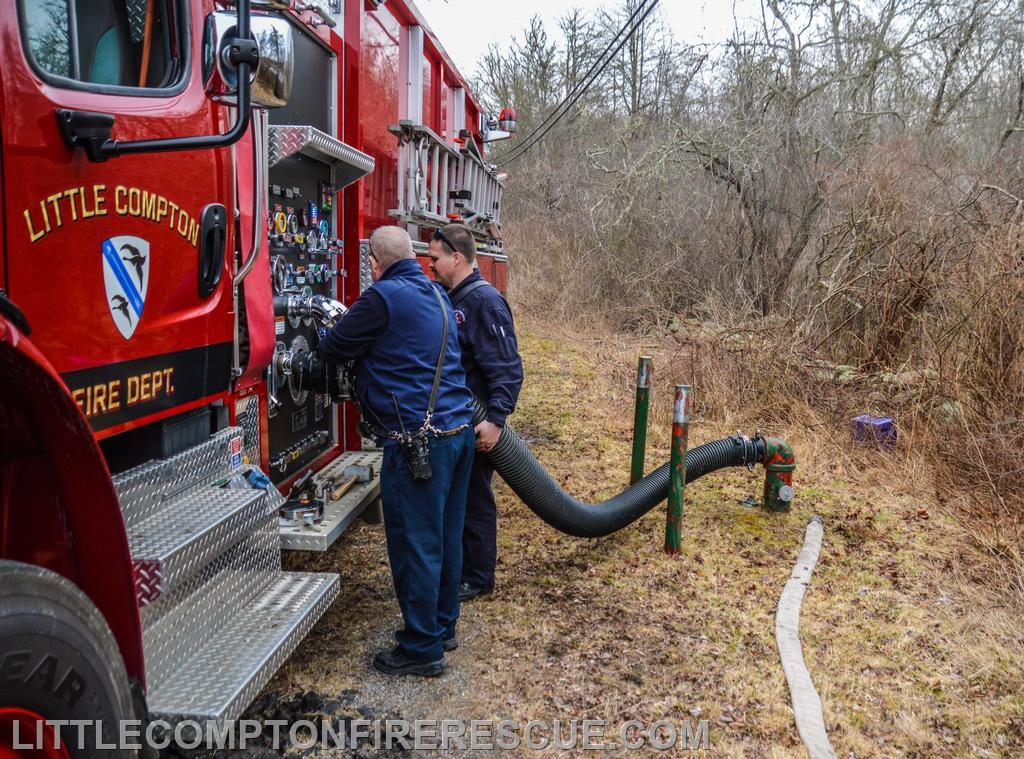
<point x="188" y="533"/>
<point x="338" y="515"/>
<point x="181" y="620"/>
<point x="224" y="672"/>
<point x="146" y="489"/>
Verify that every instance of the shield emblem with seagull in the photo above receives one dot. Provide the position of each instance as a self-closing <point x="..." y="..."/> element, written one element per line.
<point x="126" y="280"/>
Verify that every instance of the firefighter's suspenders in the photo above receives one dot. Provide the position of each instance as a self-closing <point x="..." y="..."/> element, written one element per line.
<point x="467" y="290"/>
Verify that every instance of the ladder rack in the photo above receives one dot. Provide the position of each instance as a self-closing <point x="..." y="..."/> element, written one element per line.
<point x="437" y="182"/>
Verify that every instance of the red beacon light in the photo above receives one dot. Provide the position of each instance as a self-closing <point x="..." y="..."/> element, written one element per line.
<point x="507" y="120"/>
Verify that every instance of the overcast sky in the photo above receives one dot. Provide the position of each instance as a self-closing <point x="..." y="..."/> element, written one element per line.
<point x="467" y="27"/>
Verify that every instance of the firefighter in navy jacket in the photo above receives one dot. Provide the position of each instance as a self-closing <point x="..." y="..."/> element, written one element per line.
<point x="393" y="333"/>
<point x="494" y="372"/>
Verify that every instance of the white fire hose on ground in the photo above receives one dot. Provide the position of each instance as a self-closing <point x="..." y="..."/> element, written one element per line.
<point x="810" y="721"/>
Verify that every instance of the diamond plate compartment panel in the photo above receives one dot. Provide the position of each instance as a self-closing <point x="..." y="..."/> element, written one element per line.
<point x="350" y="165"/>
<point x="247" y="415"/>
<point x="338" y="515"/>
<point x="190" y="532"/>
<point x="365" y="274"/>
<point x="144" y="490"/>
<point x="218" y="680"/>
<point x="184" y="618"/>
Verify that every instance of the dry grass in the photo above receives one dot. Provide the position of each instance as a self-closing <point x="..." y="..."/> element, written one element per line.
<point x="912" y="655"/>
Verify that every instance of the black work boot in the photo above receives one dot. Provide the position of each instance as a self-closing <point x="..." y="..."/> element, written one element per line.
<point x="394" y="662"/>
<point x="448" y="644"/>
<point x="467" y="591"/>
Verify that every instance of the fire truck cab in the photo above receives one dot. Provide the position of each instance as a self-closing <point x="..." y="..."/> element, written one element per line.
<point x="187" y="188"/>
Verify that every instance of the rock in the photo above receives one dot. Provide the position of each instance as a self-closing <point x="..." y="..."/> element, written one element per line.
<point x="950" y="412"/>
<point x="845" y="374"/>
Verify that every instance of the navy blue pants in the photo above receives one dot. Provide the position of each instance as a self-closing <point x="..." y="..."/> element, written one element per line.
<point x="480" y="536"/>
<point x="423" y="522"/>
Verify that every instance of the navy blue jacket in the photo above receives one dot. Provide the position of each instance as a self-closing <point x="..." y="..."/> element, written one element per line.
<point x="393" y="333"/>
<point x="490" y="352"/>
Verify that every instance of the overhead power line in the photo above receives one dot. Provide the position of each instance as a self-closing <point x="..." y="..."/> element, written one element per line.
<point x="584" y="81"/>
<point x="593" y="73"/>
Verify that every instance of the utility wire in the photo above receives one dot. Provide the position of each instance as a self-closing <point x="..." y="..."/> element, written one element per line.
<point x="595" y="71"/>
<point x="585" y="84"/>
<point x="586" y="81"/>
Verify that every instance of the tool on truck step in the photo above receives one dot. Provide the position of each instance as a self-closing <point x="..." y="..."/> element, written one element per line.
<point x="302" y="504"/>
<point x="351" y="476"/>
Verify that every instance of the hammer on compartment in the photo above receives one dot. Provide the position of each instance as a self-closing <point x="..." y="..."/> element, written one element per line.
<point x="352" y="474"/>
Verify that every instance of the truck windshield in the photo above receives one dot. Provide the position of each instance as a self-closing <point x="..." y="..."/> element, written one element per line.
<point x="125" y="43"/>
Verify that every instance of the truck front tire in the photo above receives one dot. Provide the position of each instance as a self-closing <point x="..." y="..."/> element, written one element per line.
<point x="59" y="660"/>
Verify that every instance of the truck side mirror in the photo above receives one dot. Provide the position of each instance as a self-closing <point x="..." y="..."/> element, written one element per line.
<point x="271" y="82"/>
<point x="272" y="87"/>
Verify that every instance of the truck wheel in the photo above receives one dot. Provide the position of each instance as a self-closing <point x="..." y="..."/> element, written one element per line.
<point x="58" y="661"/>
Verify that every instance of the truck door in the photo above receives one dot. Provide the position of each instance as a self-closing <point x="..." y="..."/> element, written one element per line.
<point x="128" y="293"/>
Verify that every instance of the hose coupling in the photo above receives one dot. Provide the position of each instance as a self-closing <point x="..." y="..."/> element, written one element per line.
<point x="749" y="448"/>
<point x="284" y="362"/>
<point x="327" y="311"/>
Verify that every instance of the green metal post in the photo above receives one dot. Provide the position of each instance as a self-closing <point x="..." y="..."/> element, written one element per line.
<point x="677" y="468"/>
<point x="643" y="395"/>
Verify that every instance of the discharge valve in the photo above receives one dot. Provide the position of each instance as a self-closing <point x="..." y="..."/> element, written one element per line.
<point x="326" y="311"/>
<point x="300" y="366"/>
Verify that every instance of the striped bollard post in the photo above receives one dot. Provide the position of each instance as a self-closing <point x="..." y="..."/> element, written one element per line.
<point x="643" y="395"/>
<point x="677" y="468"/>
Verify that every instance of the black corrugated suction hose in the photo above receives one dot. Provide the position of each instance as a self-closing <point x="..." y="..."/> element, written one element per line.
<point x="545" y="497"/>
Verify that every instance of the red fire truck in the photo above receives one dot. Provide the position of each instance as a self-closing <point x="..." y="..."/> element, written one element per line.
<point x="186" y="192"/>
